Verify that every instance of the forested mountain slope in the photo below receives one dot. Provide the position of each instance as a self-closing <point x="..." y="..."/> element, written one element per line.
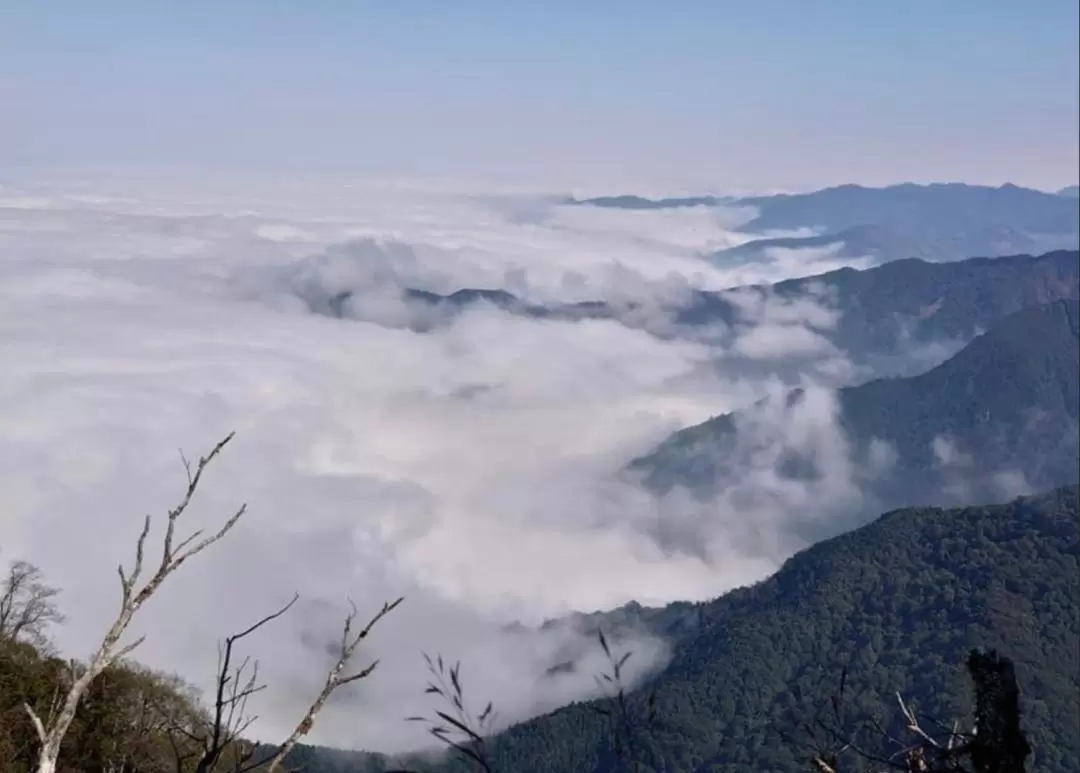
<point x="1005" y="406"/>
<point x="884" y="312"/>
<point x="899" y="602"/>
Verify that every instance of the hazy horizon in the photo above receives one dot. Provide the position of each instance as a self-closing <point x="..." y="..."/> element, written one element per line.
<point x="683" y="96"/>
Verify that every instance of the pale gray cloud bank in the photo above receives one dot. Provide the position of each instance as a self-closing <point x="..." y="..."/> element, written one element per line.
<point x="471" y="468"/>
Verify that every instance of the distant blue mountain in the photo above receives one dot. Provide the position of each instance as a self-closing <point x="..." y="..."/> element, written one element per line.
<point x="639" y="202"/>
<point x="878" y="243"/>
<point x="940" y="207"/>
<point x="1072" y="192"/>
<point x="938" y="222"/>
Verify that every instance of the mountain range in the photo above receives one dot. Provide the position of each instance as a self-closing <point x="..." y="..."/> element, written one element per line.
<point x="629" y="201"/>
<point x="898" y="600"/>
<point x="939" y="222"/>
<point x="965" y="392"/>
<point x="885" y="313"/>
<point x="1001" y="413"/>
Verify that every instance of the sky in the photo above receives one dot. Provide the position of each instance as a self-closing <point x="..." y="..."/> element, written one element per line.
<point x="683" y="95"/>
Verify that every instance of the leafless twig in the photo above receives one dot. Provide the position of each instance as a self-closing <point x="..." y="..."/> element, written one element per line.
<point x="229" y="719"/>
<point x="336" y="678"/>
<point x="174" y="554"/>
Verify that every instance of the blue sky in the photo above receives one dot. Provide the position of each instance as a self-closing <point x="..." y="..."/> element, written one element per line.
<point x="785" y="93"/>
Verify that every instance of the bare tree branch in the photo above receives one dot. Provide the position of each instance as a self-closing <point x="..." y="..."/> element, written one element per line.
<point x="334" y="679"/>
<point x="221" y="736"/>
<point x="230" y="718"/>
<point x="133" y="597"/>
<point x="39" y="727"/>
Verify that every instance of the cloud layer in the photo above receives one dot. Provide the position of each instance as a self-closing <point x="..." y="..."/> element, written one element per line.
<point x="472" y="468"/>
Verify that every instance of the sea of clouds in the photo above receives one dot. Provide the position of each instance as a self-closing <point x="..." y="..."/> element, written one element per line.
<point x="472" y="467"/>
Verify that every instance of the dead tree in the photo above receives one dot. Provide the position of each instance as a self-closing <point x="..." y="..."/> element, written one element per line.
<point x="994" y="744"/>
<point x="335" y="678"/>
<point x="220" y="742"/>
<point x="27" y="604"/>
<point x="52" y="729"/>
<point x="228" y="720"/>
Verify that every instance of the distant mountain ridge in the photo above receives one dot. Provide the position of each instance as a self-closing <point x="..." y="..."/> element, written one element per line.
<point x="885" y="310"/>
<point x="906" y="303"/>
<point x="1008" y="403"/>
<point x="947" y="207"/>
<point x="640" y="202"/>
<point x="939" y="222"/>
<point x="879" y="243"/>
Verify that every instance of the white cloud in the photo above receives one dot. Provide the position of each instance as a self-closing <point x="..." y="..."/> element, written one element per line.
<point x="470" y="468"/>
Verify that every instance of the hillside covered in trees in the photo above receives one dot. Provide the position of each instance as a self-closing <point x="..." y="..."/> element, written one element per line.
<point x="898" y="603"/>
<point x="1006" y="404"/>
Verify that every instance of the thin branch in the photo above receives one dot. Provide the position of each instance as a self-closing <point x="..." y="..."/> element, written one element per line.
<point x="334" y="680"/>
<point x="230" y="719"/>
<point x="132" y="599"/>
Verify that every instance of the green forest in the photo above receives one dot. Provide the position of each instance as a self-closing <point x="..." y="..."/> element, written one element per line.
<point x="893" y="607"/>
